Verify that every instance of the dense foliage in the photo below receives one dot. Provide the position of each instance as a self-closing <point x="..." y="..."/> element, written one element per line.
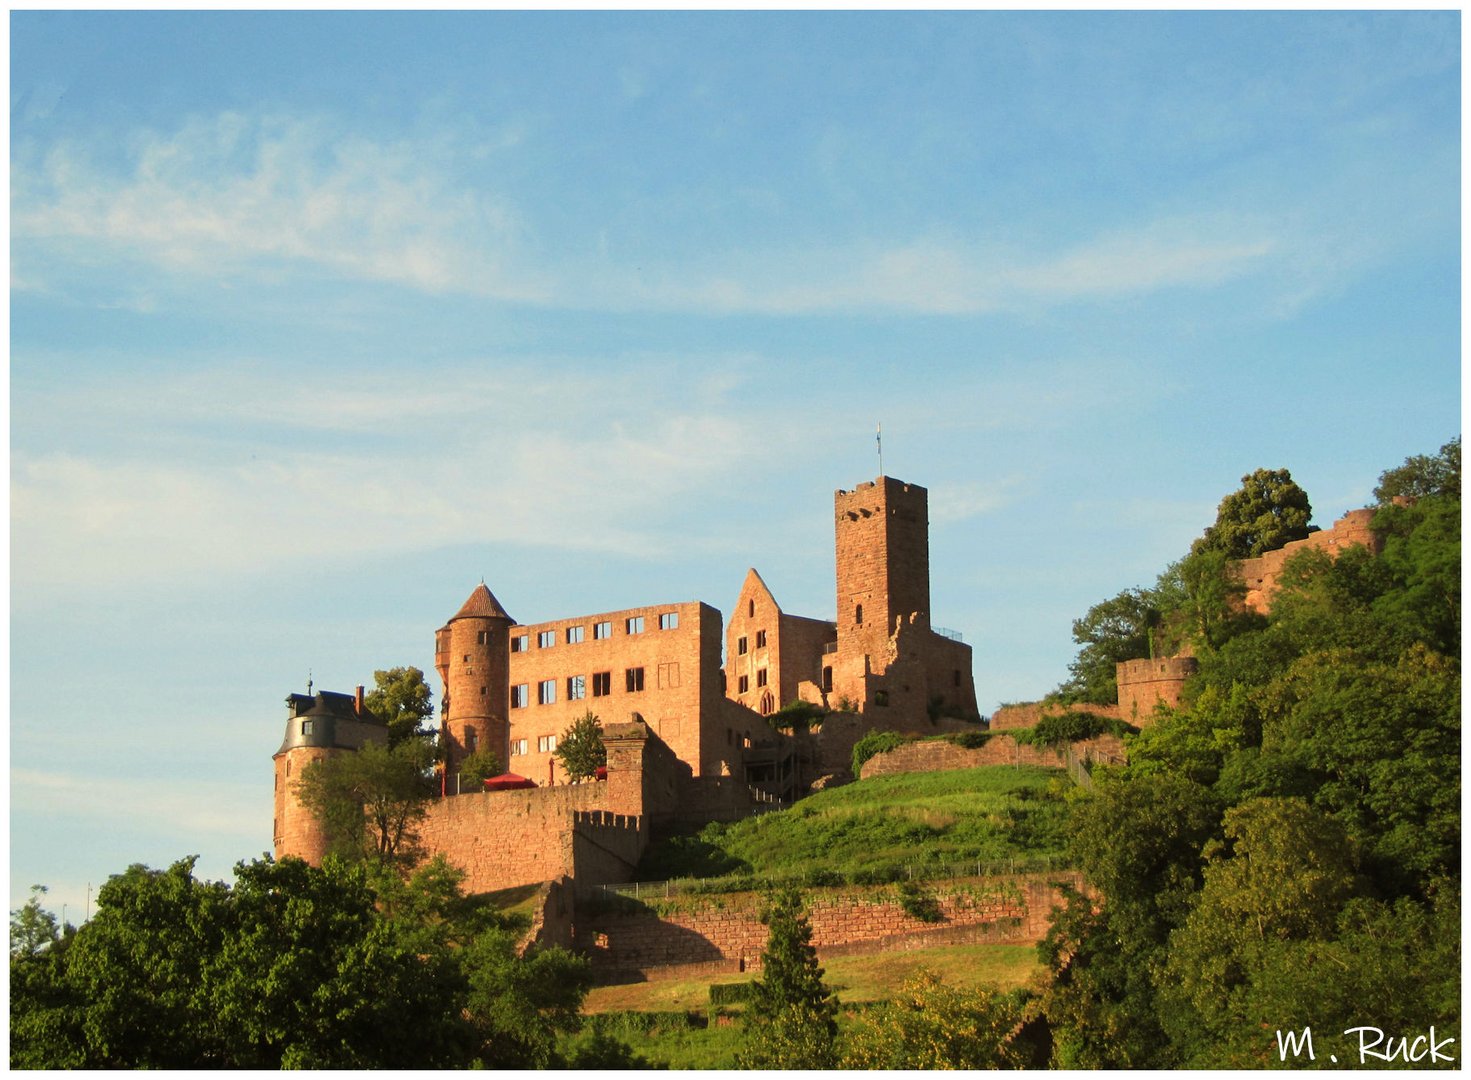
<point x="1283" y="849"/>
<point x="875" y="742"/>
<point x="370" y="802"/>
<point x="344" y="966"/>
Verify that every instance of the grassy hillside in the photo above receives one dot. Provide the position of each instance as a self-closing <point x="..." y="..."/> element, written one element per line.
<point x="671" y="1024"/>
<point x="873" y="829"/>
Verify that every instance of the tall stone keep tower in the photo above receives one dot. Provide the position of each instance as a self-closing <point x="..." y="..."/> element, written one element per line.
<point x="883" y="554"/>
<point x="472" y="655"/>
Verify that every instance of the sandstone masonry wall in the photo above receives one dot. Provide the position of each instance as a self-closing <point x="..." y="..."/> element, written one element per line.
<point x="507" y="838"/>
<point x="1261" y="574"/>
<point x="939" y="755"/>
<point x="731" y="937"/>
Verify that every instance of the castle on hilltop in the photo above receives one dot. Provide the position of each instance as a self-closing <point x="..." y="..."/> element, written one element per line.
<point x="689" y="738"/>
<point x="688" y="734"/>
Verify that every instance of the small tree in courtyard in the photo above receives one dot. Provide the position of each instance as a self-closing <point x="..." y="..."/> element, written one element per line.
<point x="580" y="748"/>
<point x="791" y="1020"/>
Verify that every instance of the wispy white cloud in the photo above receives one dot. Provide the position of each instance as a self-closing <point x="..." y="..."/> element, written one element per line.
<point x="183" y="808"/>
<point x="230" y="196"/>
<point x="572" y="462"/>
<point x="227" y="194"/>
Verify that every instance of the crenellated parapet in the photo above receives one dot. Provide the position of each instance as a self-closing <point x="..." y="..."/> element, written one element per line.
<point x="1145" y="684"/>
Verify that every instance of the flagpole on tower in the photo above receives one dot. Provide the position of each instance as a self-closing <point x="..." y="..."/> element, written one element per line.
<point x="879" y="438"/>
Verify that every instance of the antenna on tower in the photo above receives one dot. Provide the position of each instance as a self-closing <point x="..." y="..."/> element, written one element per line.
<point x="879" y="438"/>
<point x="308" y="682"/>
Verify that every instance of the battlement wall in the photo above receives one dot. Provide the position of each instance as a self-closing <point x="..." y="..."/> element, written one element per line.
<point x="1261" y="575"/>
<point x="1145" y="684"/>
<point x="506" y="838"/>
<point x="606" y="847"/>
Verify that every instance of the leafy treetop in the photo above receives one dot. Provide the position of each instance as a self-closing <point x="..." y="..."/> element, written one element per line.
<point x="1268" y="511"/>
<point x="580" y="748"/>
<point x="1423" y="475"/>
<point x="402" y="698"/>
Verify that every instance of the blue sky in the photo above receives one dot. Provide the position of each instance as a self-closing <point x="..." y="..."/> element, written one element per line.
<point x="318" y="319"/>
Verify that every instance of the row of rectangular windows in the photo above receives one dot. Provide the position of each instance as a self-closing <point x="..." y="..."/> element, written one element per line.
<point x="744" y="682"/>
<point x="760" y="643"/>
<point x="575" y="635"/>
<point x="602" y="686"/>
<point x="545" y="744"/>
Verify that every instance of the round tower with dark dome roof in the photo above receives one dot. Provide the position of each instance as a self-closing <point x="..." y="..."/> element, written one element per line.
<point x="472" y="654"/>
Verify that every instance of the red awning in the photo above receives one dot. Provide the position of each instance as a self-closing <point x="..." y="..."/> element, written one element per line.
<point x="507" y="782"/>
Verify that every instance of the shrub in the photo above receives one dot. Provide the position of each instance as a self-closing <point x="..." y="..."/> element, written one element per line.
<point x="795" y="715"/>
<point x="918" y="903"/>
<point x="969" y="740"/>
<point x="875" y="742"/>
<point x="731" y="993"/>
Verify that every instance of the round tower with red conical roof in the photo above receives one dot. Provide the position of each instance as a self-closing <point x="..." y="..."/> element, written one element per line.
<point x="473" y="655"/>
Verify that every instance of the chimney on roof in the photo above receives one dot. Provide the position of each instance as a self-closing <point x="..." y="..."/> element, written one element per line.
<point x="358" y="701"/>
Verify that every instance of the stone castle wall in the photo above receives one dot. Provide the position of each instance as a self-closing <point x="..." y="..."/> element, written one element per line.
<point x="940" y="755"/>
<point x="1146" y="684"/>
<point x="729" y="936"/>
<point x="1261" y="575"/>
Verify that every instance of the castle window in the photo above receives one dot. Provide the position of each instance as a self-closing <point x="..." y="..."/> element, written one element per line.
<point x="881" y="697"/>
<point x="750" y="609"/>
<point x="957" y="676"/>
<point x="761" y="677"/>
<point x="518" y="747"/>
<point x="574" y="634"/>
<point x="858" y="615"/>
<point x="602" y="630"/>
<point x="520" y="695"/>
<point x="545" y="639"/>
<point x="743" y="684"/>
<point x="767" y="704"/>
<point x="519" y="643"/>
<point x="306" y="727"/>
<point x="576" y="687"/>
<point x="741" y="646"/>
<point x="669" y="621"/>
<point x="467" y="658"/>
<point x="634" y="625"/>
<point x="482" y="637"/>
<point x="827" y="680"/>
<point x="546" y="744"/>
<point x="760" y="639"/>
<point x="471" y="739"/>
<point x="546" y="692"/>
<point x="602" y="683"/>
<point x="634" y="677"/>
<point x="482" y="691"/>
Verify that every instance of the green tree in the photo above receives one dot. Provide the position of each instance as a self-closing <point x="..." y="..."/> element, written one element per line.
<point x="580" y="748"/>
<point x="1113" y="631"/>
<point x="1138" y="839"/>
<point x="1423" y="475"/>
<point x="371" y="800"/>
<point x="402" y="699"/>
<point x="1289" y="872"/>
<point x="343" y="966"/>
<point x="520" y="1005"/>
<point x="478" y="766"/>
<point x="791" y="1019"/>
<point x="32" y="927"/>
<point x="1268" y="511"/>
<point x="929" y="1025"/>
